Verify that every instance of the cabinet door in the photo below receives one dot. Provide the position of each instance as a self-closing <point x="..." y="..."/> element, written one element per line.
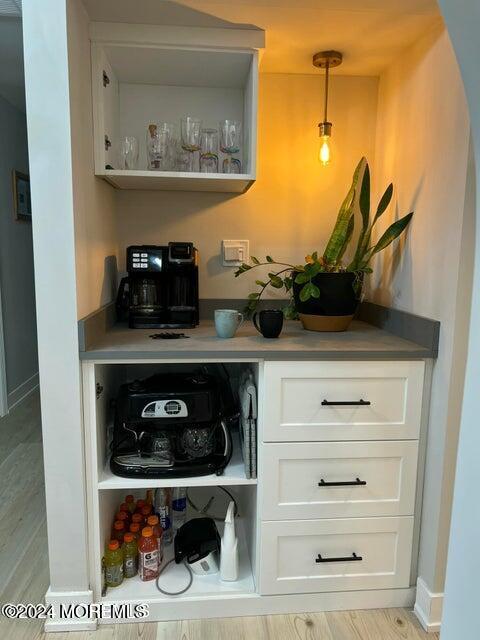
<point x="308" y="401"/>
<point x="335" y="555"/>
<point x="338" y="479"/>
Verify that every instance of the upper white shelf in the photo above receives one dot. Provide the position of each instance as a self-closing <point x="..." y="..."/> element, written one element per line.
<point x="142" y="75"/>
<point x="178" y="181"/>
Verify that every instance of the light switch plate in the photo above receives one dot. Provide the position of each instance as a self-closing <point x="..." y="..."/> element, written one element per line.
<point x="235" y="252"/>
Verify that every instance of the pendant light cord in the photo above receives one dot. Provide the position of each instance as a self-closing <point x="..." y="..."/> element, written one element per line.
<point x="327" y="70"/>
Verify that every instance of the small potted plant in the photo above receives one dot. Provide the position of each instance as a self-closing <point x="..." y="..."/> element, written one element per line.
<point x="324" y="292"/>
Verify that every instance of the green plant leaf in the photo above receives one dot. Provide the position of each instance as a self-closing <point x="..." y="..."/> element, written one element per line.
<point x="384" y="202"/>
<point x="287" y="282"/>
<point x="348" y="237"/>
<point x="254" y="260"/>
<point x="315" y="256"/>
<point x="260" y="283"/>
<point x="275" y="281"/>
<point x="393" y="231"/>
<point x="365" y="197"/>
<point x="301" y="278"/>
<point x="314" y="291"/>
<point x="299" y="267"/>
<point x="246" y="267"/>
<point x="305" y="292"/>
<point x="269" y="259"/>
<point x="290" y="312"/>
<point x="254" y="295"/>
<point x="339" y="233"/>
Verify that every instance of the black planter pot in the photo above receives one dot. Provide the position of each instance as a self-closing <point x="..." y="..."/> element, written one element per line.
<point x="336" y="306"/>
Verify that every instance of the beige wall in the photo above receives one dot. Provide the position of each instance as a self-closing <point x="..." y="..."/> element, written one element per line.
<point x="290" y="209"/>
<point x="94" y="200"/>
<point x="422" y="145"/>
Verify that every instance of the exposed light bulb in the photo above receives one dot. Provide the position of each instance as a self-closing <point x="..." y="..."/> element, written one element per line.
<point x="324" y="153"/>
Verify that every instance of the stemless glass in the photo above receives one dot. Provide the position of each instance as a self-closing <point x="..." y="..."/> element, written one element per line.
<point x="171" y="130"/>
<point x="191" y="128"/>
<point x="157" y="148"/>
<point x="230" y="136"/>
<point x="209" y="151"/>
<point x="161" y="146"/>
<point x="128" y="152"/>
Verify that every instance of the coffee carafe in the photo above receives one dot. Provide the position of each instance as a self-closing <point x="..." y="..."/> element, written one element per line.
<point x="161" y="289"/>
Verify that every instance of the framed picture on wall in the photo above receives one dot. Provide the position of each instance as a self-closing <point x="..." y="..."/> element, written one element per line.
<point x="22" y="202"/>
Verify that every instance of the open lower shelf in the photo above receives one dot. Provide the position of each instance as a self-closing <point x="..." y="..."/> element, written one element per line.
<point x="175" y="578"/>
<point x="234" y="474"/>
<point x="178" y="181"/>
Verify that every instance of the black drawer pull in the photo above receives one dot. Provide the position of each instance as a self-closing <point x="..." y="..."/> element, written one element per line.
<point x="352" y="483"/>
<point x="348" y="403"/>
<point x="352" y="558"/>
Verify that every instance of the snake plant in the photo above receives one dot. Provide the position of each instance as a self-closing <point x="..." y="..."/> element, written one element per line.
<point x="331" y="261"/>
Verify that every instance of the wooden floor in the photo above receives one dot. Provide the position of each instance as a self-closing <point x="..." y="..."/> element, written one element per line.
<point x="24" y="567"/>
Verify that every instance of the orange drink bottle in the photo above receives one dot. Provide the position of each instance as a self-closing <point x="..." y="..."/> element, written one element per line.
<point x="148" y="564"/>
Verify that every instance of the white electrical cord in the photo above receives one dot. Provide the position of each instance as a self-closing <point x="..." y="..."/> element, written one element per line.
<point x="175" y="593"/>
<point x="204" y="510"/>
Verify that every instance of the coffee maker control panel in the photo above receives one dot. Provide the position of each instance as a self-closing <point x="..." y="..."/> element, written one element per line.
<point x="145" y="258"/>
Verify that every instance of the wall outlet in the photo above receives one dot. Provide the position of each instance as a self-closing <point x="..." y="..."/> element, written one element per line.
<point x="235" y="252"/>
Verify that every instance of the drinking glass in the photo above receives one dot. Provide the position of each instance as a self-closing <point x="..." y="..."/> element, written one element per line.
<point x="157" y="148"/>
<point x="209" y="151"/>
<point x="191" y="128"/>
<point x="161" y="146"/>
<point x="171" y="130"/>
<point x="230" y="136"/>
<point x="128" y="152"/>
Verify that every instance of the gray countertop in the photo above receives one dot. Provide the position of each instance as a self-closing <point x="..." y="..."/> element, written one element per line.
<point x="362" y="341"/>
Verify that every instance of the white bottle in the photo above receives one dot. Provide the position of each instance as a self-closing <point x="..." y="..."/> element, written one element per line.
<point x="229" y="548"/>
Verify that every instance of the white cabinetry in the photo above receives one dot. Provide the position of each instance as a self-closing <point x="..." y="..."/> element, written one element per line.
<point x="339" y="479"/>
<point x="307" y="401"/>
<point x="336" y="555"/>
<point x="340" y="445"/>
<point x="143" y="75"/>
<point x="330" y="522"/>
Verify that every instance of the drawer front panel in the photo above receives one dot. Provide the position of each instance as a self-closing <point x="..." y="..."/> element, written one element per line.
<point x="358" y="554"/>
<point x="342" y="400"/>
<point x="381" y="479"/>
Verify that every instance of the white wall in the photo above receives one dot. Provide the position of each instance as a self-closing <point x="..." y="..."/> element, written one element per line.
<point x="422" y="146"/>
<point x="460" y="617"/>
<point x="50" y="155"/>
<point x="16" y="261"/>
<point x="291" y="208"/>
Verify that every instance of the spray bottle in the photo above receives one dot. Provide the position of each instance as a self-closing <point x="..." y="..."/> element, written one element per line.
<point x="229" y="548"/>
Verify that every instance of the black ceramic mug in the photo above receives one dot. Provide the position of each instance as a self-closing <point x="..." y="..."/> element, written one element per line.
<point x="270" y="322"/>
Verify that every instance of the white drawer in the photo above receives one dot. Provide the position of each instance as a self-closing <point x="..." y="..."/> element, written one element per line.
<point x="342" y="401"/>
<point x="382" y="477"/>
<point x="290" y="550"/>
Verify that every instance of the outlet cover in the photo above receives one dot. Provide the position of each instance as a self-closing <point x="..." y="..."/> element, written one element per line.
<point x="235" y="252"/>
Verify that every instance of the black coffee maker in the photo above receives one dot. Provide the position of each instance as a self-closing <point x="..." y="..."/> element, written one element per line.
<point x="172" y="426"/>
<point x="161" y="289"/>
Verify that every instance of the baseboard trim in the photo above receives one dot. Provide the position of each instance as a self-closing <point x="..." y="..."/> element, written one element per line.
<point x="23" y="390"/>
<point x="57" y="599"/>
<point x="428" y="607"/>
<point x="254" y="604"/>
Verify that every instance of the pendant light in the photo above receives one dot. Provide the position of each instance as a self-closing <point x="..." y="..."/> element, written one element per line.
<point x="326" y="60"/>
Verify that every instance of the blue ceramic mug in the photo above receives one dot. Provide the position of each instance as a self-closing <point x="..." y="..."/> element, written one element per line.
<point x="227" y="322"/>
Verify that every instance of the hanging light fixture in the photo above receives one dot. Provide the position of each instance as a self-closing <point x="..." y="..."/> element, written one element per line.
<point x="326" y="60"/>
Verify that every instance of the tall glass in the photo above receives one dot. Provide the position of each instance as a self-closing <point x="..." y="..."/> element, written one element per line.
<point x="209" y="151"/>
<point x="191" y="128"/>
<point x="128" y="152"/>
<point x="161" y="146"/>
<point x="230" y="137"/>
